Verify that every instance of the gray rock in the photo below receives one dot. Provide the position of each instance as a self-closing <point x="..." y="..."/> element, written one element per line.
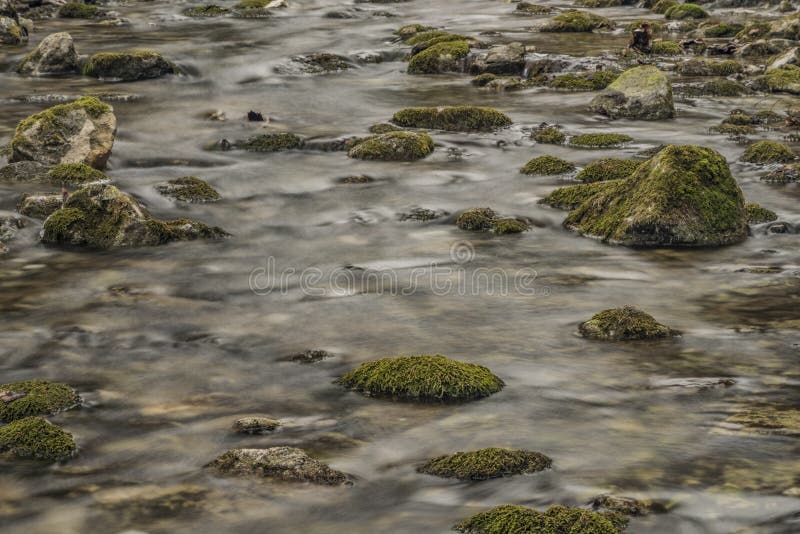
<point x="55" y="55"/>
<point x="24" y="171"/>
<point x="288" y="464"/>
<point x="639" y="93"/>
<point x="11" y="32"/>
<point x="128" y="65"/>
<point x="39" y="206"/>
<point x="500" y="59"/>
<point x="9" y="225"/>
<point x="255" y="425"/>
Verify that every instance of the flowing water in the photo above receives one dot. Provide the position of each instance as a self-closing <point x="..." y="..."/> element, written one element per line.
<point x="168" y="345"/>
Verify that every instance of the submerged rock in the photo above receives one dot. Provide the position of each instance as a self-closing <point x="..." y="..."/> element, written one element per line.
<point x="128" y="65"/>
<point x="35" y="397"/>
<point x="422" y="378"/>
<point x="639" y="93"/>
<point x="783" y="420"/>
<point x="422" y="215"/>
<point x="271" y="142"/>
<point x="317" y="63"/>
<point x="287" y="464"/>
<point x="79" y="132"/>
<point x="624" y="324"/>
<point x="624" y="505"/>
<point x="486" y="463"/>
<point x="768" y="152"/>
<point x="133" y="503"/>
<point x="393" y="146"/>
<point x="39" y="206"/>
<point x="33" y="437"/>
<point x="510" y="518"/>
<point x="758" y="307"/>
<point x="255" y="425"/>
<point x="547" y="166"/>
<point x="55" y="55"/>
<point x="188" y="189"/>
<point x="310" y="356"/>
<point x="452" y="118"/>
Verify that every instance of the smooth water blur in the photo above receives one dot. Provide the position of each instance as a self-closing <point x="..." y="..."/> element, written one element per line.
<point x="169" y="345"/>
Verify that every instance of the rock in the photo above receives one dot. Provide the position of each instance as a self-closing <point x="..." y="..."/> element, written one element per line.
<point x="78" y="10"/>
<point x="317" y="63"/>
<point x="500" y="59"/>
<point x="528" y="9"/>
<point x="447" y="56"/>
<point x="422" y="378"/>
<point x="476" y="219"/>
<point x="422" y="215"/>
<point x="708" y="67"/>
<point x="8" y="229"/>
<point x="551" y="135"/>
<point x="310" y="356"/>
<point x="694" y="383"/>
<point x="789" y="57"/>
<point x="54" y="55"/>
<point x="279" y="463"/>
<point x="452" y="118"/>
<point x="577" y="21"/>
<point x="33" y="437"/>
<point x="271" y="142"/>
<point x="764" y="152"/>
<point x="24" y="171"/>
<point x="556" y="519"/>
<point x="255" y="425"/>
<point x="778" y="419"/>
<point x="393" y="146"/>
<point x="547" y="166"/>
<point x="40" y="398"/>
<point x="570" y="197"/>
<point x="639" y="93"/>
<point x="786" y="28"/>
<point x="39" y="206"/>
<point x="757" y="214"/>
<point x="188" y="189"/>
<point x="76" y="174"/>
<point x="685" y="196"/>
<point x="624" y="505"/>
<point x="11" y="33"/>
<point x="686" y="11"/>
<point x="785" y="79"/>
<point x="208" y="10"/>
<point x="128" y="65"/>
<point x="508" y="225"/>
<point x="101" y="216"/>
<point x="624" y="324"/>
<point x="584" y="81"/>
<point x="608" y="169"/>
<point x="485" y="464"/>
<point x="131" y="504"/>
<point x="257" y="8"/>
<point x="600" y="140"/>
<point x="79" y="132"/>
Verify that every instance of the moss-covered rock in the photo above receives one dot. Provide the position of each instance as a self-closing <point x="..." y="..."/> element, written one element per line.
<point x="624" y="324"/>
<point x="723" y="29"/>
<point x="422" y="378"/>
<point x="548" y="166"/>
<point x="271" y="142"/>
<point x="384" y="127"/>
<point x="686" y="11"/>
<point x="425" y="36"/>
<point x="476" y="219"/>
<point x="78" y="10"/>
<point x="487" y="463"/>
<point x="410" y="30"/>
<point x="316" y="63"/>
<point x="128" y="65"/>
<point x="783" y="420"/>
<point x="442" y="57"/>
<point x="255" y="425"/>
<point x="600" y="140"/>
<point x="33" y="437"/>
<point x="720" y="87"/>
<point x="78" y="132"/>
<point x="550" y="135"/>
<point x="639" y="93"/>
<point x="601" y="3"/>
<point x="393" y="146"/>
<point x="584" y="81"/>
<point x="287" y="464"/>
<point x="708" y="67"/>
<point x="35" y="397"/>
<point x="507" y="519"/>
<point x="528" y="9"/>
<point x="768" y="152"/>
<point x="662" y="6"/>
<point x="784" y="80"/>
<point x="11" y="32"/>
<point x="574" y="20"/>
<point x="509" y="226"/>
<point x="684" y="196"/>
<point x="452" y="118"/>
<point x="207" y="10"/>
<point x="627" y="506"/>
<point x="75" y="174"/>
<point x="608" y="169"/>
<point x="666" y="48"/>
<point x="757" y="214"/>
<point x="572" y="196"/>
<point x="39" y="206"/>
<point x="188" y="189"/>
<point x="55" y="55"/>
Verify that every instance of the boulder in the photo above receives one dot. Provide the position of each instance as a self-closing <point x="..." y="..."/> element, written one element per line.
<point x="393" y="146"/>
<point x="624" y="324"/>
<point x="287" y="464"/>
<point x="79" y="132"/>
<point x="255" y="425"/>
<point x="188" y="189"/>
<point x="500" y="59"/>
<point x="452" y="118"/>
<point x="556" y="519"/>
<point x="39" y="206"/>
<point x="128" y="66"/>
<point x="11" y="32"/>
<point x="24" y="171"/>
<point x="639" y="93"/>
<point x="789" y="57"/>
<point x="55" y="55"/>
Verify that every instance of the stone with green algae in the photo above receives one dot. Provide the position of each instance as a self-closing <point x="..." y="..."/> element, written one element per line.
<point x="483" y="464"/>
<point x="624" y="324"/>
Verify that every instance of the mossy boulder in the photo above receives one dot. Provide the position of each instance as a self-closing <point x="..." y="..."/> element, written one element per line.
<point x="768" y="152"/>
<point x="452" y="118"/>
<point x="33" y="437"/>
<point x="393" y="146"/>
<point x="709" y="67"/>
<point x="35" y="397"/>
<point x="103" y="217"/>
<point x="557" y="519"/>
<point x="722" y="29"/>
<point x="422" y="378"/>
<point x="487" y="463"/>
<point x="600" y="140"/>
<point x="78" y="174"/>
<point x="720" y="87"/>
<point x="528" y="9"/>
<point x="255" y="425"/>
<point x="547" y="165"/>
<point x="584" y="81"/>
<point x="601" y="3"/>
<point x="439" y="58"/>
<point x="271" y="142"/>
<point x="551" y="135"/>
<point x="572" y="196"/>
<point x="476" y="219"/>
<point x="685" y="196"/>
<point x="757" y="214"/>
<point x="624" y="324"/>
<point x="666" y="48"/>
<point x="608" y="169"/>
<point x="39" y="206"/>
<point x="128" y="65"/>
<point x="574" y="20"/>
<point x="188" y="189"/>
<point x="207" y="10"/>
<point x="55" y="55"/>
<point x="777" y="419"/>
<point x="662" y="6"/>
<point x="639" y="93"/>
<point x="78" y="10"/>
<point x="686" y="11"/>
<point x="410" y="30"/>
<point x="509" y="225"/>
<point x="11" y="32"/>
<point x="316" y="63"/>
<point x="505" y="59"/>
<point x="784" y="80"/>
<point x="287" y="464"/>
<point x="78" y="132"/>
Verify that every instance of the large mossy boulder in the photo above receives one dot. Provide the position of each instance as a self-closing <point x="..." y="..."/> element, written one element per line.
<point x="574" y="20"/>
<point x="422" y="378"/>
<point x="393" y="146"/>
<point x="624" y="324"/>
<point x="685" y="196"/>
<point x="33" y="437"/>
<point x="78" y="132"/>
<point x="55" y="55"/>
<point x="287" y="464"/>
<point x="452" y="118"/>
<point x="639" y="93"/>
<point x="487" y="463"/>
<point x="103" y="217"/>
<point x="35" y="397"/>
<point x="128" y="66"/>
<point x="764" y="152"/>
<point x="447" y="56"/>
<point x="557" y="519"/>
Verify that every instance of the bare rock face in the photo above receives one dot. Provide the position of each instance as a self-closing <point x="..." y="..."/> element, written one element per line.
<point x="288" y="464"/>
<point x="55" y="55"/>
<point x="79" y="132"/>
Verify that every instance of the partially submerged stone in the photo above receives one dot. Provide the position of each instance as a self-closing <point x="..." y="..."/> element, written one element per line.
<point x="784" y="80"/>
<point x="574" y="20"/>
<point x="509" y="225"/>
<point x="757" y="214"/>
<point x="528" y="9"/>
<point x="422" y="378"/>
<point x="208" y="10"/>
<point x="768" y="152"/>
<point x="709" y="67"/>
<point x="39" y="206"/>
<point x="316" y="63"/>
<point x="666" y="48"/>
<point x="9" y="225"/>
<point x="78" y="174"/>
<point x="24" y="171"/>
<point x="310" y="356"/>
<point x="608" y="169"/>
<point x="188" y="189"/>
<point x="442" y="57"/>
<point x="55" y="55"/>
<point x="549" y="135"/>
<point x="572" y="196"/>
<point x="271" y="142"/>
<point x="584" y="81"/>
<point x="639" y="93"/>
<point x="35" y="397"/>
<point x="393" y="146"/>
<point x="487" y="463"/>
<point x="33" y="437"/>
<point x="128" y="65"/>
<point x="506" y="59"/>
<point x="557" y="519"/>
<point x="12" y="32"/>
<point x="422" y="215"/>
<point x="255" y="425"/>
<point x="133" y="503"/>
<point x="476" y="219"/>
<point x="624" y="324"/>
<point x="624" y="505"/>
<point x="78" y="10"/>
<point x="686" y="11"/>
<point x="547" y="166"/>
<point x="78" y="132"/>
<point x="287" y="464"/>
<point x="778" y="419"/>
<point x="452" y="118"/>
<point x="600" y="140"/>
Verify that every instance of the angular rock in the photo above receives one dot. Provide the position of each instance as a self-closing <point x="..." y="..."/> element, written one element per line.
<point x="55" y="55"/>
<point x="500" y="59"/>
<point x="639" y="93"/>
<point x="287" y="464"/>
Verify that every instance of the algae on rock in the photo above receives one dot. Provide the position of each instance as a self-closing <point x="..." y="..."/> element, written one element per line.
<point x="452" y="118"/>
<point x="624" y="324"/>
<point x="487" y="463"/>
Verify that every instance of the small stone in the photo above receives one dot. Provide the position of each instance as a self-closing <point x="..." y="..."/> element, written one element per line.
<point x="287" y="464"/>
<point x="255" y="425"/>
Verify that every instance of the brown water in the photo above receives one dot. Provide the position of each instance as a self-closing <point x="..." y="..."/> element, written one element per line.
<point x="169" y="345"/>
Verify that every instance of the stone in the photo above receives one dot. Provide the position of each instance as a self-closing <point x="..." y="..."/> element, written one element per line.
<point x="639" y="93"/>
<point x="55" y="55"/>
<point x="288" y="464"/>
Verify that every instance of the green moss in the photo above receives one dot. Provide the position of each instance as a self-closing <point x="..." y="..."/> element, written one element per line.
<point x="526" y="8"/>
<point x="383" y="127"/>
<point x="753" y="31"/>
<point x="511" y="519"/>
<point x="591" y="81"/>
<point x="476" y="219"/>
<point x="785" y="79"/>
<point x="447" y="37"/>
<point x="599" y="3"/>
<point x="411" y="29"/>
<point x="452" y="118"/>
<point x="572" y="196"/>
<point x="75" y="174"/>
<point x="600" y="140"/>
<point x="58" y="226"/>
<point x="423" y="378"/>
<point x="271" y="142"/>
<point x="723" y="29"/>
<point x="686" y="11"/>
<point x="438" y="58"/>
<point x="547" y="165"/>
<point x="487" y="463"/>
<point x="624" y="324"/>
<point x="608" y="169"/>
<point x="51" y="117"/>
<point x="768" y="419"/>
<point x="549" y="135"/>
<point x="738" y="118"/>
<point x="733" y="130"/>
<point x="189" y="189"/>
<point x="768" y="152"/>
<point x="666" y="48"/>
<point x="41" y="398"/>
<point x="721" y="87"/>
<point x="393" y="146"/>
<point x="706" y="67"/>
<point x="481" y="80"/>
<point x="128" y="65"/>
<point x="662" y="6"/>
<point x="577" y="21"/>
<point x="252" y="4"/>
<point x="208" y="10"/>
<point x="509" y="226"/>
<point x="33" y="437"/>
<point x="757" y="214"/>
<point x="77" y="10"/>
<point x="425" y="36"/>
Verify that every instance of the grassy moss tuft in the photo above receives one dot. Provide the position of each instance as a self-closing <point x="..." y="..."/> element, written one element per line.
<point x="441" y="57"/>
<point x="624" y="324"/>
<point x="452" y="118"/>
<point x="768" y="152"/>
<point x="572" y="196"/>
<point x="686" y="11"/>
<point x="188" y="189"/>
<point x="757" y="214"/>
<point x="509" y="226"/>
<point x="393" y="146"/>
<point x="548" y="166"/>
<point x="550" y="135"/>
<point x="271" y="142"/>
<point x="608" y="169"/>
<point x="577" y="21"/>
<point x="41" y="398"/>
<point x="476" y="219"/>
<point x="487" y="463"/>
<point x="77" y="10"/>
<point x="33" y="437"/>
<point x="75" y="174"/>
<point x="666" y="48"/>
